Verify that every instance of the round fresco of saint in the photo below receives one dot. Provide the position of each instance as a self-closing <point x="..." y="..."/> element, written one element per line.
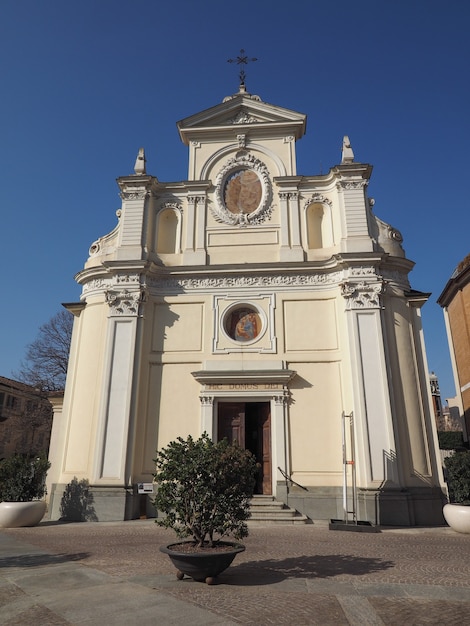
<point x="243" y="192"/>
<point x="243" y="324"/>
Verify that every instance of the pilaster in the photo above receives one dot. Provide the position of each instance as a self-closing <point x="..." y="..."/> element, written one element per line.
<point x="135" y="193"/>
<point x="351" y="182"/>
<point x="195" y="247"/>
<point x="115" y="424"/>
<point x="291" y="247"/>
<point x="376" y="455"/>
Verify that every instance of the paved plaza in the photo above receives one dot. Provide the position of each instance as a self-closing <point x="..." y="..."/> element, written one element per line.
<point x="113" y="573"/>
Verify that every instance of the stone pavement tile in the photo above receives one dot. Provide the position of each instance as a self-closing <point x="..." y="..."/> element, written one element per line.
<point x="35" y="614"/>
<point x="421" y="612"/>
<point x="56" y="578"/>
<point x="9" y="592"/>
<point x="359" y="611"/>
<point x="333" y="587"/>
<point x="271" y="607"/>
<point x="381" y="589"/>
<point x="123" y="603"/>
<point x="286" y="576"/>
<point x="435" y="592"/>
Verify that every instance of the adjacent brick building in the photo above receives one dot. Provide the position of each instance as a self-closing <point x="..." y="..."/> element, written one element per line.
<point x="455" y="301"/>
<point x="25" y="419"/>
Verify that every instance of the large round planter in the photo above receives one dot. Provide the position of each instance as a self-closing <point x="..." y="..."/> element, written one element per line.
<point x="16" y="514"/>
<point x="202" y="566"/>
<point x="458" y="517"/>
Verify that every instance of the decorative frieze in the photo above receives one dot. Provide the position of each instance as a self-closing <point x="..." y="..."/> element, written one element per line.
<point x="317" y="198"/>
<point x="97" y="285"/>
<point x="281" y="400"/>
<point x="170" y="205"/>
<point x="196" y="199"/>
<point x="363" y="271"/>
<point x="244" y="282"/>
<point x="124" y="302"/>
<point x="362" y="295"/>
<point x="288" y="195"/>
<point x="241" y="141"/>
<point x="243" y="118"/>
<point x="138" y="194"/>
<point x="206" y="400"/>
<point x="352" y="184"/>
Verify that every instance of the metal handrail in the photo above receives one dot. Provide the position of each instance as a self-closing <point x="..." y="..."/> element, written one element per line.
<point x="289" y="478"/>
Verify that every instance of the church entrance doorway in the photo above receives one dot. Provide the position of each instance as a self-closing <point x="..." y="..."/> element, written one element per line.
<point x="249" y="423"/>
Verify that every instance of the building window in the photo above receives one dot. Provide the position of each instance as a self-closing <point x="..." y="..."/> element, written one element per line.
<point x="12" y="402"/>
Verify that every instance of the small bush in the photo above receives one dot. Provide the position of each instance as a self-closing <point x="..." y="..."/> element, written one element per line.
<point x="204" y="488"/>
<point x="458" y="477"/>
<point x="450" y="439"/>
<point x="23" y="478"/>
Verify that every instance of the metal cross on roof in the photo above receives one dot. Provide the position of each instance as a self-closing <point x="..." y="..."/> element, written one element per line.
<point x="242" y="59"/>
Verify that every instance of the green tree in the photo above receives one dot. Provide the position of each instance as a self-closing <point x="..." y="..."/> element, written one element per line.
<point x="458" y="476"/>
<point x="23" y="478"/>
<point x="204" y="488"/>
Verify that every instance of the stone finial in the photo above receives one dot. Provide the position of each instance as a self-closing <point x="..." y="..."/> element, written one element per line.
<point x="347" y="154"/>
<point x="139" y="167"/>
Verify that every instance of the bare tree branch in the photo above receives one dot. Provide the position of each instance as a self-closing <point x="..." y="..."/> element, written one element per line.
<point x="46" y="358"/>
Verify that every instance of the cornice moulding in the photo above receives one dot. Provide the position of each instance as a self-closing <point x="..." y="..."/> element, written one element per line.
<point x="453" y="286"/>
<point x="255" y="130"/>
<point x="218" y="377"/>
<point x="137" y="181"/>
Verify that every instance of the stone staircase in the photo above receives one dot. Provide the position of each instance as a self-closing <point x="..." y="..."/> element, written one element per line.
<point x="268" y="510"/>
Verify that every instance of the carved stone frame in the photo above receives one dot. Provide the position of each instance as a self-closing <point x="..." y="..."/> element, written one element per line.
<point x="243" y="160"/>
<point x="265" y="342"/>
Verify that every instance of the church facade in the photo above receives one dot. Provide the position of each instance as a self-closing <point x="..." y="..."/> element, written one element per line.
<point x="253" y="303"/>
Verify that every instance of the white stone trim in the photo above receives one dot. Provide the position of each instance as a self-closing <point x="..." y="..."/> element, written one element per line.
<point x="241" y="281"/>
<point x="223" y="344"/>
<point x="243" y="160"/>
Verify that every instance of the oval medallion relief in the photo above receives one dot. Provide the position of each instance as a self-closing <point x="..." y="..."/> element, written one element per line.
<point x="243" y="192"/>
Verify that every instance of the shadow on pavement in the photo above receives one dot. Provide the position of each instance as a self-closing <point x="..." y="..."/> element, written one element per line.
<point x="271" y="571"/>
<point x="37" y="560"/>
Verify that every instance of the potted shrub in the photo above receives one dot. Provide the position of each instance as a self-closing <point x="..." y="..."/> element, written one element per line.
<point x="457" y="511"/>
<point x="204" y="491"/>
<point x="22" y="485"/>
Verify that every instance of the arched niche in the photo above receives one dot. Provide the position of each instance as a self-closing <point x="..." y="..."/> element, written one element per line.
<point x="319" y="226"/>
<point x="168" y="228"/>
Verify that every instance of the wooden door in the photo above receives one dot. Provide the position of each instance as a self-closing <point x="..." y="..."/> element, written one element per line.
<point x="249" y="424"/>
<point x="264" y="421"/>
<point x="231" y="422"/>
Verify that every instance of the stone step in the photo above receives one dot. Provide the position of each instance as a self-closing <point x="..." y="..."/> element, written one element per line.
<point x="268" y="510"/>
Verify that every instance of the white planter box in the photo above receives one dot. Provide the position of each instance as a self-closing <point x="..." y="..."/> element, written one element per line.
<point x="15" y="514"/>
<point x="458" y="517"/>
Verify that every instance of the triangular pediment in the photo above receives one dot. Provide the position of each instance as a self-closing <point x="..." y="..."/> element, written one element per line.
<point x="238" y="111"/>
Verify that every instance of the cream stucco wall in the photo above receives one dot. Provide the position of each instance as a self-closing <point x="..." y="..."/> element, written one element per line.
<point x="154" y="354"/>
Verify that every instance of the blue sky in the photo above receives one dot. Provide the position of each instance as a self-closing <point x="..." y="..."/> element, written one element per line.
<point x="86" y="83"/>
